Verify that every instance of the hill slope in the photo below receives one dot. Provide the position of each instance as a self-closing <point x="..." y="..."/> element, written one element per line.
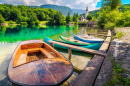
<point x="63" y="9"/>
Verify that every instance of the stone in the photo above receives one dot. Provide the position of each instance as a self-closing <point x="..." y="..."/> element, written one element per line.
<point x="99" y="77"/>
<point x="124" y="75"/>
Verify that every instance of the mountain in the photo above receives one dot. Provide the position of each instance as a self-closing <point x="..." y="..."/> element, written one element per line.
<point x="126" y="4"/>
<point x="79" y="11"/>
<point x="63" y="9"/>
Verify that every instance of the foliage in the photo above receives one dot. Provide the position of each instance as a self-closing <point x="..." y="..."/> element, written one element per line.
<point x="68" y="18"/>
<point x="94" y="13"/>
<point x="119" y="34"/>
<point x="123" y="19"/>
<point x="116" y="78"/>
<point x="107" y="18"/>
<point x="11" y="22"/>
<point x="51" y="22"/>
<point x="2" y="20"/>
<point x="23" y="23"/>
<point x="30" y="15"/>
<point x="109" y="25"/>
<point x="110" y="16"/>
<point x="37" y="23"/>
<point x="75" y="17"/>
<point x="114" y="4"/>
<point x="58" y="18"/>
<point x="89" y="17"/>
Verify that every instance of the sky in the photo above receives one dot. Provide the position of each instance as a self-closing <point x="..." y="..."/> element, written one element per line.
<point x="73" y="4"/>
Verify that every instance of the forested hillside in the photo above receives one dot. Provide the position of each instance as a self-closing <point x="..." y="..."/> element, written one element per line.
<point x="29" y="15"/>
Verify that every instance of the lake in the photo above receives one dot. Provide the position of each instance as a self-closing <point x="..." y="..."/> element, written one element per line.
<point x="10" y="36"/>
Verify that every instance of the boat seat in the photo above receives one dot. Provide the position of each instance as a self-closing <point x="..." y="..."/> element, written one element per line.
<point x="33" y="50"/>
<point x="22" y="59"/>
<point x="47" y="53"/>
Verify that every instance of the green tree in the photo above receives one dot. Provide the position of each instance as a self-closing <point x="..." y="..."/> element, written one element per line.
<point x="59" y="18"/>
<point x="68" y="18"/>
<point x="89" y="17"/>
<point x="15" y="13"/>
<point x="75" y="17"/>
<point x="41" y="16"/>
<point x="2" y="20"/>
<point x="31" y="15"/>
<point x="7" y="13"/>
<point x="24" y="14"/>
<point x="114" y="4"/>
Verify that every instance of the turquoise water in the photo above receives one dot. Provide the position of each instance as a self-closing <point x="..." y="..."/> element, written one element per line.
<point x="21" y="33"/>
<point x="11" y="34"/>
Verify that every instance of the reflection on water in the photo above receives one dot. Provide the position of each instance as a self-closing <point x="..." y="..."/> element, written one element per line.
<point x="10" y="36"/>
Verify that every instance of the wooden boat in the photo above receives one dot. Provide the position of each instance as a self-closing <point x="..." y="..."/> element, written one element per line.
<point x="89" y="40"/>
<point x="73" y="41"/>
<point x="93" y="46"/>
<point x="36" y="63"/>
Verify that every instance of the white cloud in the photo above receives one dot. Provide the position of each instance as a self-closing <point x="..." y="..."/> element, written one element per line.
<point x="74" y="4"/>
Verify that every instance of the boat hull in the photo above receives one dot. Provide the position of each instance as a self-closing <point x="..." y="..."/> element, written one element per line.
<point x="48" y="69"/>
<point x="77" y="42"/>
<point x="88" y="41"/>
<point x="94" y="46"/>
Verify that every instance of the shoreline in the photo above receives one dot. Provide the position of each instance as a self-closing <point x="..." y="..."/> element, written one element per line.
<point x="119" y="50"/>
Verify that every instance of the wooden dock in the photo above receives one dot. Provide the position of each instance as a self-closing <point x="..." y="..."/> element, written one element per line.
<point x="98" y="34"/>
<point x="78" y="48"/>
<point x="89" y="74"/>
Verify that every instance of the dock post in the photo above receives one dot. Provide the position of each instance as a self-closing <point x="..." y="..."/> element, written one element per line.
<point x="51" y="44"/>
<point x="69" y="51"/>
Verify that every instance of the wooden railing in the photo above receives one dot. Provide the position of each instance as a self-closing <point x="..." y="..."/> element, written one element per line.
<point x="78" y="48"/>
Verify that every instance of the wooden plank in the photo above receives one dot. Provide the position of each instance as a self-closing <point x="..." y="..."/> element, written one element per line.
<point x="89" y="74"/>
<point x="22" y="59"/>
<point x="79" y="48"/>
<point x="99" y="34"/>
<point x="69" y="51"/>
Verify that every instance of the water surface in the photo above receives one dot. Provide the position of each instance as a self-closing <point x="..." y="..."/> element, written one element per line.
<point x="10" y="36"/>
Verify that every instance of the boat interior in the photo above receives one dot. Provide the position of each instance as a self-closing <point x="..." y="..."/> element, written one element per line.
<point x="74" y="40"/>
<point x="32" y="52"/>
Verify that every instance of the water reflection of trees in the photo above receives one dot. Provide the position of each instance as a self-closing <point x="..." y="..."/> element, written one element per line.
<point x="2" y="30"/>
<point x="21" y="33"/>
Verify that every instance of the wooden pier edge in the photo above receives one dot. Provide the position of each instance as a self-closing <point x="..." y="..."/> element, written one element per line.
<point x="89" y="74"/>
<point x="95" y="52"/>
<point x="98" y="34"/>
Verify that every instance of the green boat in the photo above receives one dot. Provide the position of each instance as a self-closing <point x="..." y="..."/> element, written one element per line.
<point x="93" y="46"/>
<point x="73" y="41"/>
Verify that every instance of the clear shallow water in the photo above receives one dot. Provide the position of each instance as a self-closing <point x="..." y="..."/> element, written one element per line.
<point x="10" y="36"/>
